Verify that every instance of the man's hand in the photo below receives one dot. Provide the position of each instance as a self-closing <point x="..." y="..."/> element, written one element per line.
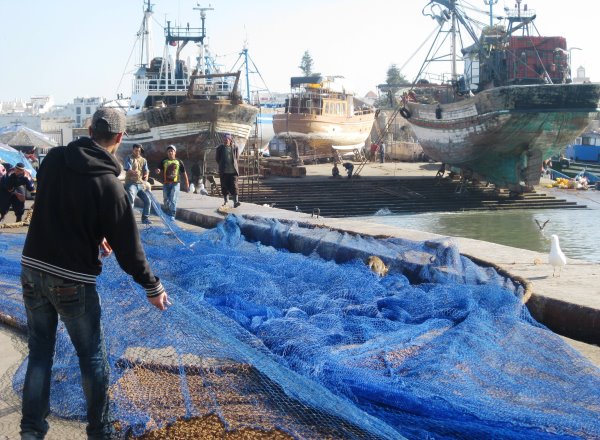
<point x="105" y="249"/>
<point x="161" y="301"/>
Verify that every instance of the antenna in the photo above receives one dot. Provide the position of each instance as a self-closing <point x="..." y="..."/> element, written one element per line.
<point x="491" y="3"/>
<point x="203" y="16"/>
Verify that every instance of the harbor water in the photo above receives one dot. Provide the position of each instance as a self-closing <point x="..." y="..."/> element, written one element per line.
<point x="577" y="229"/>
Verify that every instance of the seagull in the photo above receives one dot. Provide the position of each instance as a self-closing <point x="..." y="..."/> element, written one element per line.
<point x="203" y="189"/>
<point x="316" y="211"/>
<point x="556" y="257"/>
<point x="542" y="225"/>
<point x="297" y="209"/>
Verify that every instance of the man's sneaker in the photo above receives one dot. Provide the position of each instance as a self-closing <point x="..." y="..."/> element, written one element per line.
<point x="236" y="204"/>
<point x="146" y="221"/>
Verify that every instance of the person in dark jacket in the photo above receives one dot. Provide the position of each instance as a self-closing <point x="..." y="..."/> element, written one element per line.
<point x="349" y="168"/>
<point x="12" y="191"/>
<point x="227" y="158"/>
<point x="80" y="206"/>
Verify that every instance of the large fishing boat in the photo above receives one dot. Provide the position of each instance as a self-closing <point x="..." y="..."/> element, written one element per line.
<point x="513" y="106"/>
<point x="321" y="116"/>
<point x="192" y="109"/>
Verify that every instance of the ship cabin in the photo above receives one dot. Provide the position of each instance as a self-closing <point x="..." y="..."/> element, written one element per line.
<point x="517" y="60"/>
<point x="320" y="96"/>
<point x="586" y="148"/>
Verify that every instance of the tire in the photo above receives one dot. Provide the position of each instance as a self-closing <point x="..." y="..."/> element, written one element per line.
<point x="405" y="113"/>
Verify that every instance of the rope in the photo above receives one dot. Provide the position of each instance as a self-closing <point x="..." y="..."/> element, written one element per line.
<point x="20" y="224"/>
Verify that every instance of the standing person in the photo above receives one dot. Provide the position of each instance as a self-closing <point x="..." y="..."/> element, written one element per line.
<point x="374" y="148"/>
<point x="12" y="191"/>
<point x="227" y="159"/>
<point x="80" y="205"/>
<point x="382" y="153"/>
<point x="172" y="169"/>
<point x="196" y="173"/>
<point x="136" y="180"/>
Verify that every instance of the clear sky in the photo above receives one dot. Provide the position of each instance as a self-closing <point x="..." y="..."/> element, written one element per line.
<point x="77" y="48"/>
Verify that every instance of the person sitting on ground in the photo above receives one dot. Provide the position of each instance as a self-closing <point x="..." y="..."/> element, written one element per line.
<point x="335" y="171"/>
<point x="349" y="168"/>
<point x="12" y="191"/>
<point x="136" y="180"/>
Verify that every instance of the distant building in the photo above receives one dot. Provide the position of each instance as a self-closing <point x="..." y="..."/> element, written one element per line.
<point x="581" y="78"/>
<point x="84" y="108"/>
<point x="55" y="121"/>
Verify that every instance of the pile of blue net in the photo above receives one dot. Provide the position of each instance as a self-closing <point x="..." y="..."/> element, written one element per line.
<point x="312" y="344"/>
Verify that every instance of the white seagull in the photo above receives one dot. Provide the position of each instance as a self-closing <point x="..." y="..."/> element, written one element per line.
<point x="556" y="257"/>
<point x="203" y="189"/>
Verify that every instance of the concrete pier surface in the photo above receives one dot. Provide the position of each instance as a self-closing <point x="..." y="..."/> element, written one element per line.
<point x="569" y="304"/>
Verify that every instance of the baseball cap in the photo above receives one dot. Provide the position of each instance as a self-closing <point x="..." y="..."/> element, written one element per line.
<point x="172" y="147"/>
<point x="20" y="165"/>
<point x="111" y="117"/>
<point x="228" y="136"/>
<point x="138" y="146"/>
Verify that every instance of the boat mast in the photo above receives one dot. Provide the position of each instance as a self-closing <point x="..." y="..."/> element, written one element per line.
<point x="200" y="67"/>
<point x="453" y="35"/>
<point x="491" y="3"/>
<point x="245" y="53"/>
<point x="146" y="33"/>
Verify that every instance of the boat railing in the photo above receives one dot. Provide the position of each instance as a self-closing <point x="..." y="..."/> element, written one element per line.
<point x="304" y="110"/>
<point x="215" y="85"/>
<point x="160" y="86"/>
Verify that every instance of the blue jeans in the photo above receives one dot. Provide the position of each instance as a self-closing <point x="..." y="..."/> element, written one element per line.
<point x="47" y="298"/>
<point x="137" y="189"/>
<point x="170" y="196"/>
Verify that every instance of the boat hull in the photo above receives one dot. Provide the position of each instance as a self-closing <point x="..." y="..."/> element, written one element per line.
<point x="196" y="127"/>
<point x="323" y="133"/>
<point x="502" y="135"/>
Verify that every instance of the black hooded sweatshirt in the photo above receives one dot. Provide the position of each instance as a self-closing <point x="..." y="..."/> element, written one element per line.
<point x="79" y="202"/>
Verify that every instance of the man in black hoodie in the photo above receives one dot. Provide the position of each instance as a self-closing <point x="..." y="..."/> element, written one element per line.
<point x="80" y="206"/>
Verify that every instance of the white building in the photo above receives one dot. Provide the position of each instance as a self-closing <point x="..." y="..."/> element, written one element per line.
<point x="56" y="121"/>
<point x="581" y="78"/>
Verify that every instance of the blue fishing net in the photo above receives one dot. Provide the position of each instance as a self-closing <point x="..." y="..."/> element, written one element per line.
<point x="283" y="328"/>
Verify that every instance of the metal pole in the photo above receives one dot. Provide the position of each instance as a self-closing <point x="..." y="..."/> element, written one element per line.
<point x="247" y="75"/>
<point x="491" y="3"/>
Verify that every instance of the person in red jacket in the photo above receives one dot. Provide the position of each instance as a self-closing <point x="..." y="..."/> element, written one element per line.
<point x="80" y="206"/>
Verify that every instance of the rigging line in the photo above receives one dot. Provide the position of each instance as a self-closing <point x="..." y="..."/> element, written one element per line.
<point x="259" y="74"/>
<point x="127" y="63"/>
<point x="439" y="30"/>
<point x="418" y="49"/>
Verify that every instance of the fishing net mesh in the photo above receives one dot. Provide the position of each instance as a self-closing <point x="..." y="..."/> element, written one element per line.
<point x="282" y="331"/>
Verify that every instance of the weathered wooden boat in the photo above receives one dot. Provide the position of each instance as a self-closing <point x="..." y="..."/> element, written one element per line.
<point x="513" y="107"/>
<point x="322" y="117"/>
<point x="191" y="109"/>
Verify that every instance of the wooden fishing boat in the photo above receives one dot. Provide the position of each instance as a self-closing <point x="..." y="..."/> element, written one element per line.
<point x="322" y="117"/>
<point x="192" y="109"/>
<point x="513" y="107"/>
